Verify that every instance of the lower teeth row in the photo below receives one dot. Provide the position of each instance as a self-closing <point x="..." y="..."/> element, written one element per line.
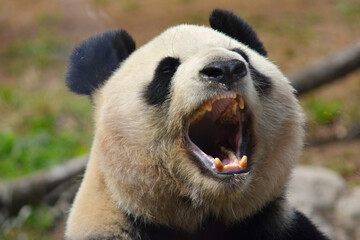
<point x="239" y="164"/>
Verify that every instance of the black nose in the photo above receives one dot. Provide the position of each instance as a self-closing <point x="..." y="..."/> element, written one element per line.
<point x="224" y="72"/>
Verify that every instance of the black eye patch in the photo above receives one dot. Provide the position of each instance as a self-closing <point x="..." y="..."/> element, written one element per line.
<point x="262" y="82"/>
<point x="242" y="53"/>
<point x="159" y="88"/>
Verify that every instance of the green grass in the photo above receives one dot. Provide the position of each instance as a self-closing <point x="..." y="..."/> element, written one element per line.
<point x="323" y="111"/>
<point x="23" y="154"/>
<point x="41" y="129"/>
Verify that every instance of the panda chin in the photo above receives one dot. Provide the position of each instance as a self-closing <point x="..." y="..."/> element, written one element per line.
<point x="219" y="134"/>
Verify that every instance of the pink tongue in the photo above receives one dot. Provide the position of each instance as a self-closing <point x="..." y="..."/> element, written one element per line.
<point x="226" y="162"/>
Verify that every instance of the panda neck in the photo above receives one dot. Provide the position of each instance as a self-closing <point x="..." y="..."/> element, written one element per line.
<point x="271" y="220"/>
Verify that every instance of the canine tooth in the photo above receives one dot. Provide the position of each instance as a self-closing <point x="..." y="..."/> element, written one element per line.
<point x="243" y="162"/>
<point x="208" y="106"/>
<point x="218" y="164"/>
<point x="241" y="102"/>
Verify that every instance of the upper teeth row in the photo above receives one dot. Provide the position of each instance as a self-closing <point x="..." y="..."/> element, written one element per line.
<point x="222" y="96"/>
<point x="207" y="106"/>
<point x="239" y="99"/>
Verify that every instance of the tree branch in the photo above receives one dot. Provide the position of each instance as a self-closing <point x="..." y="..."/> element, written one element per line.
<point x="326" y="70"/>
<point x="31" y="189"/>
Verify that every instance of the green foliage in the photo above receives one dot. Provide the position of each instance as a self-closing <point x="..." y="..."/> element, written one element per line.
<point x="323" y="111"/>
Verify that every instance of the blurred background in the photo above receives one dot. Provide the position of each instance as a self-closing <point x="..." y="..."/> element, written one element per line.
<point x="42" y="124"/>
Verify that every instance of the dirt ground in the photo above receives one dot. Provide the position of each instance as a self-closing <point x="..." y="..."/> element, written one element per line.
<point x="295" y="33"/>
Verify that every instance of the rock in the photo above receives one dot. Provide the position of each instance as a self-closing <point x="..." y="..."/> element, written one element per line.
<point x="347" y="215"/>
<point x="314" y="191"/>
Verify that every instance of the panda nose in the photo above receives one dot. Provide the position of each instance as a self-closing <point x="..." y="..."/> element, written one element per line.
<point x="224" y="72"/>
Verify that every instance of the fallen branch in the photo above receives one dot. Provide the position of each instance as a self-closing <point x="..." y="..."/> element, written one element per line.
<point x="32" y="189"/>
<point x="326" y="70"/>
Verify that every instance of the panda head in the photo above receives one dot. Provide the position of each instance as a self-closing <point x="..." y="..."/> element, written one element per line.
<point x="197" y="122"/>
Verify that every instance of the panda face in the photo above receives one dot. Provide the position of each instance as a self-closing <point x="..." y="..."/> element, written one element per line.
<point x="196" y="114"/>
<point x="202" y="97"/>
<point x="203" y="88"/>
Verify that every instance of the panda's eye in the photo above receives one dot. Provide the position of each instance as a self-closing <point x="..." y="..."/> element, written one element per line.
<point x="241" y="53"/>
<point x="159" y="88"/>
<point x="167" y="65"/>
<point x="167" y="69"/>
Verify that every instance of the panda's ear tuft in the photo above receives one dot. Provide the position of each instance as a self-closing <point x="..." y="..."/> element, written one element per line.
<point x="235" y="27"/>
<point x="94" y="60"/>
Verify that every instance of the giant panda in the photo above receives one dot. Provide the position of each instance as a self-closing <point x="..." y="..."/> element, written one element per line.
<point x="196" y="133"/>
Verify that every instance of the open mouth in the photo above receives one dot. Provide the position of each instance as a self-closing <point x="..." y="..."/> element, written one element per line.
<point x="219" y="134"/>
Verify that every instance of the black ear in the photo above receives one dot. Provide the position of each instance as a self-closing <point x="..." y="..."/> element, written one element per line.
<point x="94" y="60"/>
<point x="235" y="27"/>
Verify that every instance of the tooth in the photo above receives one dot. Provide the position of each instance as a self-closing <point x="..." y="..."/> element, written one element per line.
<point x="218" y="164"/>
<point x="208" y="106"/>
<point x="231" y="167"/>
<point x="243" y="162"/>
<point x="229" y="154"/>
<point x="241" y="102"/>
